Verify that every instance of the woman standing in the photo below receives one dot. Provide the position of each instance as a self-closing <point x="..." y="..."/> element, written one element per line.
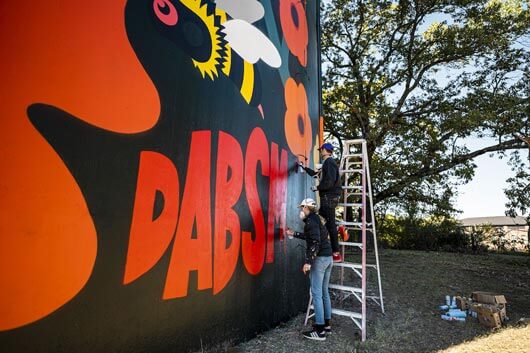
<point x="318" y="262"/>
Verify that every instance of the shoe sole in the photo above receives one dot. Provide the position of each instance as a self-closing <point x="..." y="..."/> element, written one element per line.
<point x="316" y="338"/>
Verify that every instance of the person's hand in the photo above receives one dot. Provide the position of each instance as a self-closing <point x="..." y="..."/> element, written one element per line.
<point x="306" y="268"/>
<point x="314" y="188"/>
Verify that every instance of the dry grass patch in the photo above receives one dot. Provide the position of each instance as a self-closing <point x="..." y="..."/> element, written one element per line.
<point x="512" y="339"/>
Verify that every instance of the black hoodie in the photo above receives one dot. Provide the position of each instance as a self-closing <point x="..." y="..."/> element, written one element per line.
<point x="329" y="178"/>
<point x="316" y="237"/>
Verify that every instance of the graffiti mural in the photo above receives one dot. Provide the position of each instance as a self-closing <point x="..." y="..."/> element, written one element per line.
<point x="149" y="171"/>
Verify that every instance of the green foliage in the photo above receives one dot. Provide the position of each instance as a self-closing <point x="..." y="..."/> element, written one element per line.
<point x="518" y="192"/>
<point x="433" y="233"/>
<point x="443" y="233"/>
<point x="493" y="238"/>
<point x="415" y="78"/>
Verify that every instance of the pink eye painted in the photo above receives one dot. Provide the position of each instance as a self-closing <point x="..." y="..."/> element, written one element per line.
<point x="166" y="12"/>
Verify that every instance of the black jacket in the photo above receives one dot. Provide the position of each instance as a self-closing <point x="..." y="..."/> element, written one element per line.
<point x="316" y="237"/>
<point x="329" y="178"/>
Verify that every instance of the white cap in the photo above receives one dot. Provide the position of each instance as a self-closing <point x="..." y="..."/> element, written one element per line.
<point x="308" y="202"/>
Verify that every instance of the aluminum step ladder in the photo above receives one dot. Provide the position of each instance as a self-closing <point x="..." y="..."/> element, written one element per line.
<point x="356" y="196"/>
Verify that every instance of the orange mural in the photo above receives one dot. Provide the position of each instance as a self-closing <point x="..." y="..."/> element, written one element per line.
<point x="297" y="123"/>
<point x="294" y="27"/>
<point x="64" y="56"/>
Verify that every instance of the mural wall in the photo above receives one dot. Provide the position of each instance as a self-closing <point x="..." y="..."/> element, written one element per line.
<point x="148" y="171"/>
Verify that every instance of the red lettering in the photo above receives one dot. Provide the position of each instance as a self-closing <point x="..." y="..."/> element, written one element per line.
<point x="257" y="151"/>
<point x="194" y="249"/>
<point x="228" y="186"/>
<point x="193" y="254"/>
<point x="277" y="198"/>
<point x="149" y="238"/>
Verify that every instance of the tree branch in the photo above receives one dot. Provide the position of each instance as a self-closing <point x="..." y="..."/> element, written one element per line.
<point x="394" y="190"/>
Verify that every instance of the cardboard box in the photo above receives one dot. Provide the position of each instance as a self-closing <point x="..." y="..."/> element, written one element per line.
<point x="489" y="319"/>
<point x="463" y="303"/>
<point x="474" y="308"/>
<point x="488" y="298"/>
<point x="486" y="308"/>
<point x="491" y="302"/>
<point x="489" y="309"/>
<point x="502" y="313"/>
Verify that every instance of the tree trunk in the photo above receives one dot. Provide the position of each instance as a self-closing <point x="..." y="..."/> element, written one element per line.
<point x="528" y="235"/>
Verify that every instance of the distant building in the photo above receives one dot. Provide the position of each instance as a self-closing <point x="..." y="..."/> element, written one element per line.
<point x="514" y="230"/>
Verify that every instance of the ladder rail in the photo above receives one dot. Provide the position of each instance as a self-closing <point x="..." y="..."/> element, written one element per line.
<point x="374" y="233"/>
<point x="363" y="236"/>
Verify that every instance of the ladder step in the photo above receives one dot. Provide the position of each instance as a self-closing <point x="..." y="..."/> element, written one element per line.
<point x="355" y="187"/>
<point x="346" y="313"/>
<point x="358" y="155"/>
<point x="353" y="224"/>
<point x="353" y="142"/>
<point x="353" y="265"/>
<point x="341" y="312"/>
<point x="356" y="228"/>
<point x="349" y="204"/>
<point x="345" y="288"/>
<point x="347" y="265"/>
<point x="347" y="243"/>
<point x="350" y="171"/>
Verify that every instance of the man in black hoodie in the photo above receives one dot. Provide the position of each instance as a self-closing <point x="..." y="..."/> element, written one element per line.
<point x="318" y="262"/>
<point x="329" y="190"/>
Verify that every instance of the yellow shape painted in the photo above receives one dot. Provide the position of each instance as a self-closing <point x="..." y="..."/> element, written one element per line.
<point x="247" y="86"/>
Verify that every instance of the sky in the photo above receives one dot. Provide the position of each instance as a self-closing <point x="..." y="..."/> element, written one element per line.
<point x="484" y="195"/>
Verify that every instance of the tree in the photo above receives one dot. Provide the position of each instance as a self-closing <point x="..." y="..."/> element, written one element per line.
<point x="415" y="78"/>
<point x="518" y="192"/>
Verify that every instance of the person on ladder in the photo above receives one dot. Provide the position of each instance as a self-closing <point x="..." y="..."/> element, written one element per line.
<point x="329" y="189"/>
<point x="318" y="262"/>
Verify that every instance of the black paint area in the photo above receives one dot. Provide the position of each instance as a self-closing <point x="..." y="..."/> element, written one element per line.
<point x="107" y="316"/>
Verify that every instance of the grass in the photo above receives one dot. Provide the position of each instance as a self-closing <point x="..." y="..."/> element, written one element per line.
<point x="414" y="285"/>
<point x="512" y="339"/>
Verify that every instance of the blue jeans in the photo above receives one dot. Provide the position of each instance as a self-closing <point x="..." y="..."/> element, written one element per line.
<point x="320" y="274"/>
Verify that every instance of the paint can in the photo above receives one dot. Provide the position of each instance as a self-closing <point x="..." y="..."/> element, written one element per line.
<point x="452" y="318"/>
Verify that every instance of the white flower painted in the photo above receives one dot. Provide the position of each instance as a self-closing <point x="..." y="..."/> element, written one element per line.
<point x="250" y="43"/>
